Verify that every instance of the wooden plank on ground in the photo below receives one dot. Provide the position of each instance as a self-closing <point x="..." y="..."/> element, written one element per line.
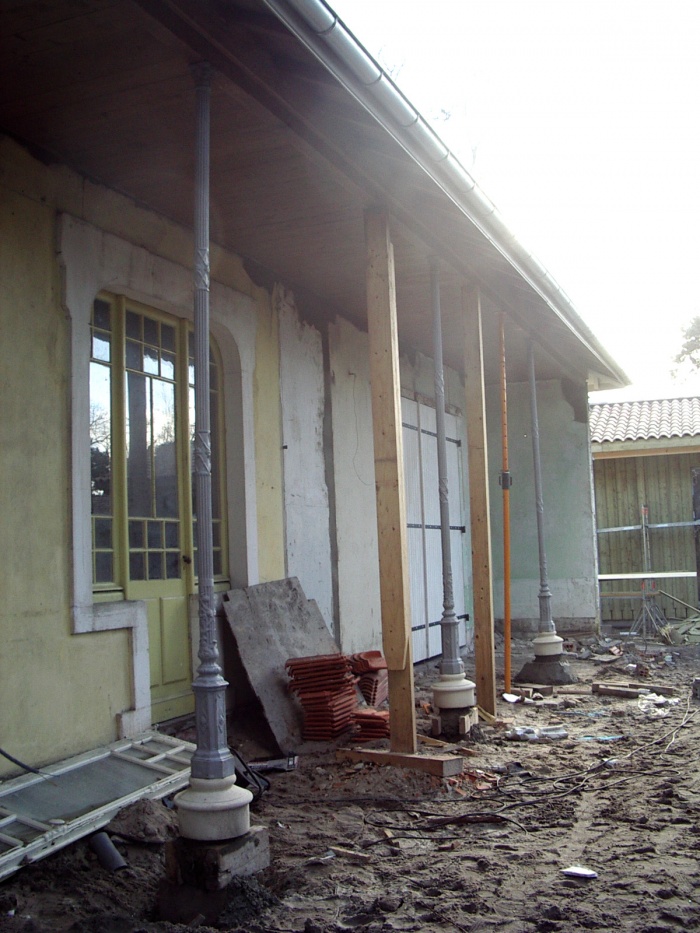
<point x="389" y="479"/>
<point x="479" y="501"/>
<point x="611" y="689"/>
<point x="440" y="765"/>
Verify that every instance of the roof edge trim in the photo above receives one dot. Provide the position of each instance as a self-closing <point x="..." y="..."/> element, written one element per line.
<point x="320" y="29"/>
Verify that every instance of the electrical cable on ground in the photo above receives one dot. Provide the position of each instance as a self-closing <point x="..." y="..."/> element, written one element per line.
<point x="23" y="766"/>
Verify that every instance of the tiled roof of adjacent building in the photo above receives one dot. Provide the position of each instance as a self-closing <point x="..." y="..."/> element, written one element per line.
<point x="648" y="420"/>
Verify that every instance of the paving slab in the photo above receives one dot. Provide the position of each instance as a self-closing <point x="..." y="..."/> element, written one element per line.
<point x="272" y="622"/>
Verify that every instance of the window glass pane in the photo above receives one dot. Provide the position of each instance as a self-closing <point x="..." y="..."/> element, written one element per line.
<point x="167" y="365"/>
<point x="103" y="532"/>
<point x="150" y="331"/>
<point x="100" y="439"/>
<point x="136" y="536"/>
<point x="172" y="565"/>
<point x="101" y="346"/>
<point x="133" y="355"/>
<point x="216" y="534"/>
<point x="103" y="567"/>
<point x="137" y="566"/>
<point x="165" y="455"/>
<point x="155" y="565"/>
<point x="172" y="534"/>
<point x="102" y="314"/>
<point x="215" y="484"/>
<point x="138" y="458"/>
<point x="217" y="564"/>
<point x="192" y="462"/>
<point x="150" y="360"/>
<point x="167" y="337"/>
<point x="133" y="325"/>
<point x="155" y="535"/>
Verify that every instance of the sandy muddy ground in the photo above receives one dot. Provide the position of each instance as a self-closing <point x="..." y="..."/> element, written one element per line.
<point x="620" y="795"/>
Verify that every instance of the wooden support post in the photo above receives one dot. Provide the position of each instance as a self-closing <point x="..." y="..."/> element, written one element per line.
<point x="479" y="502"/>
<point x="389" y="478"/>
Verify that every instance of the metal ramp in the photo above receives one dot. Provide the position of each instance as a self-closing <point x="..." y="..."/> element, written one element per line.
<point x="41" y="813"/>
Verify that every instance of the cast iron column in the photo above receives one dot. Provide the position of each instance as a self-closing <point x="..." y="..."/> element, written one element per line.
<point x="212" y="758"/>
<point x="548" y="666"/>
<point x="452" y="691"/>
<point x="451" y="662"/>
<point x="545" y="595"/>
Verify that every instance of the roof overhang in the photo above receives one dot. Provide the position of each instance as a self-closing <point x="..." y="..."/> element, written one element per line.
<point x="653" y="447"/>
<point x="303" y="142"/>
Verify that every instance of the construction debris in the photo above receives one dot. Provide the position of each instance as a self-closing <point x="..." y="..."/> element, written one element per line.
<point x="371" y="724"/>
<point x="685" y="632"/>
<point x="629" y="690"/>
<point x="326" y="689"/>
<point x="271" y="622"/>
<point x="371" y="669"/>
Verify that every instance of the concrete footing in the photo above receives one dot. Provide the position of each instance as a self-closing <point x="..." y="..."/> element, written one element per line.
<point x="546" y="670"/>
<point x="211" y="866"/>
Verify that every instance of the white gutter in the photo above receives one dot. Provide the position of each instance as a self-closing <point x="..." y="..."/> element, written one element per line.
<point x="318" y="27"/>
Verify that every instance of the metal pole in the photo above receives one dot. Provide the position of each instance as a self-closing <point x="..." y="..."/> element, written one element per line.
<point x="696" y="518"/>
<point x="212" y="758"/>
<point x="506" y="482"/>
<point x="451" y="662"/>
<point x="546" y="624"/>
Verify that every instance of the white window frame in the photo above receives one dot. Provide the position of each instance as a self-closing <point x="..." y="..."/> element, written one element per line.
<point x="92" y="261"/>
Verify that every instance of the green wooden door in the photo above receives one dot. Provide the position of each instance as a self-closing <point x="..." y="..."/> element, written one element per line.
<point x="157" y="503"/>
<point x="142" y="409"/>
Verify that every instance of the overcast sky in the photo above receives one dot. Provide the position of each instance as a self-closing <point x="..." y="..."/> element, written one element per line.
<point x="581" y="122"/>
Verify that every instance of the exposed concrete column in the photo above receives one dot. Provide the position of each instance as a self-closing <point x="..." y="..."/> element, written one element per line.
<point x="389" y="478"/>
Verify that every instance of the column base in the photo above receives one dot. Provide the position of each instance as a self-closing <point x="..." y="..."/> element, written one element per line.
<point x="547" y="645"/>
<point x="453" y="701"/>
<point x="213" y="809"/>
<point x="453" y="691"/>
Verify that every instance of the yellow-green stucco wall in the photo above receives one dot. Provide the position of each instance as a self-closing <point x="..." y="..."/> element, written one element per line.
<point x="60" y="693"/>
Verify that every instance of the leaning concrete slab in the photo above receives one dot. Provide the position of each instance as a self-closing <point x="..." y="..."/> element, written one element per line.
<point x="270" y="623"/>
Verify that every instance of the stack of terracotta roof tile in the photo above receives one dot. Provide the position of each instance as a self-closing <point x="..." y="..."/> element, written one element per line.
<point x="326" y="688"/>
<point x="371" y="724"/>
<point x="370" y="667"/>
